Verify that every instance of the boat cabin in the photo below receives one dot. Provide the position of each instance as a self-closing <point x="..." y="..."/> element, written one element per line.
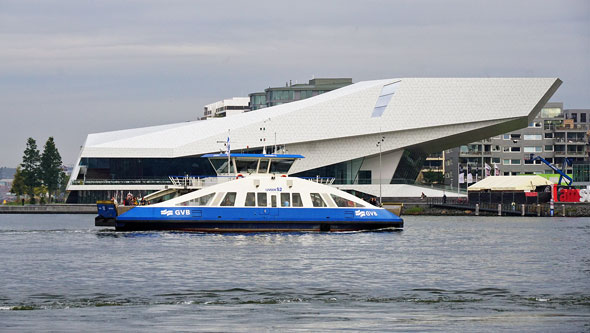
<point x="248" y="164"/>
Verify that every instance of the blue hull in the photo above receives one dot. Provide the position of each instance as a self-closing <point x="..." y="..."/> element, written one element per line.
<point x="236" y="219"/>
<point x="250" y="226"/>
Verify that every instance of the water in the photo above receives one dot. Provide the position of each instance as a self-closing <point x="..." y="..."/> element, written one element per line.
<point x="59" y="273"/>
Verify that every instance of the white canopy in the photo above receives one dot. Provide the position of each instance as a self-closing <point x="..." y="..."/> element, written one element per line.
<point x="510" y="183"/>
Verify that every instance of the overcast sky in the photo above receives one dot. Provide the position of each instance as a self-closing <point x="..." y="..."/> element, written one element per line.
<point x="73" y="67"/>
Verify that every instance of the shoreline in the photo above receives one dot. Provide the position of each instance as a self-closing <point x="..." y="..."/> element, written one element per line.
<point x="49" y="209"/>
<point x="409" y="208"/>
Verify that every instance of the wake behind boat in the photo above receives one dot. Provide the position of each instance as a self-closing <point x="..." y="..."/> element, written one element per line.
<point x="261" y="197"/>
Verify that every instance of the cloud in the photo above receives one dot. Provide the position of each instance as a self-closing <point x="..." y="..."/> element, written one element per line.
<point x="124" y="64"/>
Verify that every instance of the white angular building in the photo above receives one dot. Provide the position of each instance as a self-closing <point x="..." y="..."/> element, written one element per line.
<point x="346" y="133"/>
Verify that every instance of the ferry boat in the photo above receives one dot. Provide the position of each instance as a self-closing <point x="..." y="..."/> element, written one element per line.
<point x="257" y="195"/>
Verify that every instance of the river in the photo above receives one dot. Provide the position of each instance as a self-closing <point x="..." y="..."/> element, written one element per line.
<point x="440" y="274"/>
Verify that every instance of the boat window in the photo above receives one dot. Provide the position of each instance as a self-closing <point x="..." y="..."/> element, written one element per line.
<point x="317" y="200"/>
<point x="200" y="201"/>
<point x="297" y="200"/>
<point x="263" y="166"/>
<point x="246" y="166"/>
<point x="262" y="200"/>
<point x="204" y="200"/>
<point x="250" y="199"/>
<point x="285" y="200"/>
<point x="273" y="200"/>
<point x="220" y="165"/>
<point x="229" y="199"/>
<point x="281" y="166"/>
<point x="341" y="202"/>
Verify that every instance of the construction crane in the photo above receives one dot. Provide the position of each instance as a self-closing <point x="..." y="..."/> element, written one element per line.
<point x="562" y="174"/>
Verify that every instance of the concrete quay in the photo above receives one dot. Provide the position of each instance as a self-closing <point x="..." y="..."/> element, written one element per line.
<point x="49" y="209"/>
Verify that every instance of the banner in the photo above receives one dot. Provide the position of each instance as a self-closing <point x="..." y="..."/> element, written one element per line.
<point x="469" y="178"/>
<point x="461" y="178"/>
<point x="496" y="170"/>
<point x="488" y="168"/>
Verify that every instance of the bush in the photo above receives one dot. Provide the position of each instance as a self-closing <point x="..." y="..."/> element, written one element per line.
<point x="413" y="210"/>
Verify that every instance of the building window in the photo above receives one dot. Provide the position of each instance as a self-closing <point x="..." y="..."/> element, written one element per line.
<point x="574" y="116"/>
<point x="548" y="147"/>
<point x="387" y="92"/>
<point x="506" y="137"/>
<point x="533" y="137"/>
<point x="496" y="160"/>
<point x="550" y="112"/>
<point x="548" y="135"/>
<point x="515" y="149"/>
<point x="506" y="161"/>
<point x="582" y="117"/>
<point x="535" y="149"/>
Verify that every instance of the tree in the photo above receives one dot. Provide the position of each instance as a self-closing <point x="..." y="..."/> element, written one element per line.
<point x="18" y="184"/>
<point x="30" y="168"/>
<point x="50" y="167"/>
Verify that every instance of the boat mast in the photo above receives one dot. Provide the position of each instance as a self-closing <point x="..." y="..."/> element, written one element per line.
<point x="228" y="155"/>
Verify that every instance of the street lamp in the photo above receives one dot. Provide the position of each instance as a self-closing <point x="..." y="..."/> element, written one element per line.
<point x="380" y="176"/>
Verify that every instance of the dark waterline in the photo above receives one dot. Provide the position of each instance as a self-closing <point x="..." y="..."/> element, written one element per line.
<point x="440" y="274"/>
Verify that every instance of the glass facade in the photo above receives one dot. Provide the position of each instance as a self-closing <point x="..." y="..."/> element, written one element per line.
<point x="345" y="172"/>
<point x="409" y="167"/>
<point x="581" y="173"/>
<point x="294" y="92"/>
<point x="144" y="168"/>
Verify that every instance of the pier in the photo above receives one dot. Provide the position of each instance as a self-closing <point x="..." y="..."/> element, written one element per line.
<point x="49" y="209"/>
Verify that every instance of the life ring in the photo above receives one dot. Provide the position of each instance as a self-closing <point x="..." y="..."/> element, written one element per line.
<point x="239" y="176"/>
<point x="283" y="175"/>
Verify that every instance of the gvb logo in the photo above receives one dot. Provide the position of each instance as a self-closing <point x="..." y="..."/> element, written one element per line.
<point x="177" y="212"/>
<point x="166" y="212"/>
<point x="362" y="213"/>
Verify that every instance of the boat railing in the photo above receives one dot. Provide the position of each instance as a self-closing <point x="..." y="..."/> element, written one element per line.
<point x="321" y="180"/>
<point x="154" y="181"/>
<point x="190" y="181"/>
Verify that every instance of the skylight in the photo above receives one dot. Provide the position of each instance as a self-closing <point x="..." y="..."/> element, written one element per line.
<point x="387" y="92"/>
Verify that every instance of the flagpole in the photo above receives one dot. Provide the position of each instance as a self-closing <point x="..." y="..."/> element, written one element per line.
<point x="228" y="155"/>
<point x="458" y="183"/>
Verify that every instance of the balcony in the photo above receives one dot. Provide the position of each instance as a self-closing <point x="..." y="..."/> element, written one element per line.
<point x="574" y="128"/>
<point x="570" y="154"/>
<point x="472" y="152"/>
<point x="582" y="140"/>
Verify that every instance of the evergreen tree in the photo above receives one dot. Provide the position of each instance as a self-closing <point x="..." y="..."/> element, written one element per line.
<point x="30" y="168"/>
<point x="18" y="184"/>
<point x="50" y="170"/>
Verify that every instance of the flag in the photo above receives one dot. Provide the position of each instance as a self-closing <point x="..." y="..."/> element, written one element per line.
<point x="488" y="169"/>
<point x="461" y="178"/>
<point x="469" y="178"/>
<point x="496" y="170"/>
<point x="227" y="144"/>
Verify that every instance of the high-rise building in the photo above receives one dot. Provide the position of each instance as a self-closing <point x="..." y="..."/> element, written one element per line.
<point x="554" y="134"/>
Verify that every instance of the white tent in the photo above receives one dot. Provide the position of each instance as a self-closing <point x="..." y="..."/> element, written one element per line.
<point x="510" y="183"/>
